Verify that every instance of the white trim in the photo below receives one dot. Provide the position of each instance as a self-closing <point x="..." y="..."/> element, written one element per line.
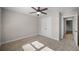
<point x="65" y="16"/>
<point x="49" y="37"/>
<point x="19" y="38"/>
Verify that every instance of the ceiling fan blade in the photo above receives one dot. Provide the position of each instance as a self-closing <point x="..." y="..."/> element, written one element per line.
<point x="34" y="8"/>
<point x="38" y="8"/>
<point x="32" y="12"/>
<point x="43" y="13"/>
<point x="44" y="9"/>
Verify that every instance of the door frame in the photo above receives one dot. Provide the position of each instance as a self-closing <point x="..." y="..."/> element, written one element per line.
<point x="65" y="25"/>
<point x="62" y="26"/>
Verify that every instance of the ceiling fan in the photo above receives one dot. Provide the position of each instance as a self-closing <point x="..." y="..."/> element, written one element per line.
<point x="39" y="11"/>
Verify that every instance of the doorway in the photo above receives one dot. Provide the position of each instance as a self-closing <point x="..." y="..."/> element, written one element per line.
<point x="68" y="28"/>
<point x="68" y="31"/>
<point x="73" y="38"/>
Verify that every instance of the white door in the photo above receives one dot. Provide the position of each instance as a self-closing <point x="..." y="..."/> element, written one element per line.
<point x="75" y="29"/>
<point x="45" y="27"/>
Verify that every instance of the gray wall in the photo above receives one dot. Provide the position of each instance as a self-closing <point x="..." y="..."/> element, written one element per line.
<point x="0" y="26"/>
<point x="17" y="26"/>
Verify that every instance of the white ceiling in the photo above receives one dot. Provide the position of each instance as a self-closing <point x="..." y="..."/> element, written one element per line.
<point x="24" y="10"/>
<point x="27" y="10"/>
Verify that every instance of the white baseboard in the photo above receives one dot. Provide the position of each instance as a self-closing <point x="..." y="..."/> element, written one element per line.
<point x="22" y="37"/>
<point x="19" y="38"/>
<point x="49" y="37"/>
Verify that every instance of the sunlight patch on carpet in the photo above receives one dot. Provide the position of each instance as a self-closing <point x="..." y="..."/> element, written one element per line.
<point x="28" y="47"/>
<point x="46" y="49"/>
<point x="37" y="44"/>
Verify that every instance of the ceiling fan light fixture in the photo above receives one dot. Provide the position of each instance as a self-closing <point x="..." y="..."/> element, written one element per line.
<point x="39" y="13"/>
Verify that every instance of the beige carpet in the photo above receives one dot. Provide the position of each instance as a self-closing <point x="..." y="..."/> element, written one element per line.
<point x="66" y="44"/>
